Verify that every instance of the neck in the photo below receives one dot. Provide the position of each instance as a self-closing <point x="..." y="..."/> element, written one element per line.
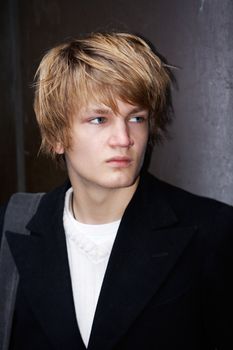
<point x="100" y="206"/>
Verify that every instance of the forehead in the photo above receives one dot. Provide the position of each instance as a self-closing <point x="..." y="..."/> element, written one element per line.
<point x="89" y="93"/>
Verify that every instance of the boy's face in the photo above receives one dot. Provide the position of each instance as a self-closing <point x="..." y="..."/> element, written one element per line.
<point x="107" y="148"/>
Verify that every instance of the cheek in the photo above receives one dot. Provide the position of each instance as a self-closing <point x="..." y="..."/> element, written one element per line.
<point x="84" y="152"/>
<point x="141" y="138"/>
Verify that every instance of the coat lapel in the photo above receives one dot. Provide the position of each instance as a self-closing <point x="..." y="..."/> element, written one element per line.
<point x="147" y="246"/>
<point x="42" y="263"/>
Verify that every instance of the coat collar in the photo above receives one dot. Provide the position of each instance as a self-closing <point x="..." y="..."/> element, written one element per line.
<point x="148" y="243"/>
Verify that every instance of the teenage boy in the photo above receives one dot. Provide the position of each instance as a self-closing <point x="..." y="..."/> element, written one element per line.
<point x="116" y="258"/>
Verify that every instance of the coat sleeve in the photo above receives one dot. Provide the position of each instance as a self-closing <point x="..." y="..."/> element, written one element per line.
<point x="217" y="281"/>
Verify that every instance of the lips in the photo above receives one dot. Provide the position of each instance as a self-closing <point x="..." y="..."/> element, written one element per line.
<point x="119" y="161"/>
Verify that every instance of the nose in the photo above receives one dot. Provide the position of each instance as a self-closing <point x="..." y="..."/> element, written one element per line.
<point x="120" y="135"/>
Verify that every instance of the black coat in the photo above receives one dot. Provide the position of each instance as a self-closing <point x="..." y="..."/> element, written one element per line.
<point x="167" y="284"/>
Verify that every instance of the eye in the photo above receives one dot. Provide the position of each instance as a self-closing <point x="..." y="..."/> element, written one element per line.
<point x="98" y="120"/>
<point x="137" y="119"/>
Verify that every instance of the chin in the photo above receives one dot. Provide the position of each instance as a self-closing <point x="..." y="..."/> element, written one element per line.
<point x="121" y="181"/>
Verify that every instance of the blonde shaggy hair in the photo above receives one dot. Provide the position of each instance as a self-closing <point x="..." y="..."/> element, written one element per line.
<point x="100" y="68"/>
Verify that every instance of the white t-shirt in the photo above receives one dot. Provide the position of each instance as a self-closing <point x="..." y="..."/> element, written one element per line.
<point x="89" y="248"/>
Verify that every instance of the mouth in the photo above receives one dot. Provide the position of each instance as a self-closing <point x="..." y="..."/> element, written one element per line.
<point x="119" y="161"/>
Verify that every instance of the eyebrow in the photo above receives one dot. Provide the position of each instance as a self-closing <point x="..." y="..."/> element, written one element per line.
<point x="138" y="110"/>
<point x="105" y="111"/>
<point x="99" y="110"/>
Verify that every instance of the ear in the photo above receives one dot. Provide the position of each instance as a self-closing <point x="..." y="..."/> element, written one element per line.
<point x="58" y="148"/>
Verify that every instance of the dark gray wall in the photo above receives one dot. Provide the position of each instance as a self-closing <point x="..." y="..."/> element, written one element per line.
<point x="194" y="35"/>
<point x="200" y="156"/>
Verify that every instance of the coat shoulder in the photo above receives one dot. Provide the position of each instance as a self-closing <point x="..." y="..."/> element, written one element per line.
<point x="2" y="215"/>
<point x="49" y="200"/>
<point x="213" y="216"/>
<point x="188" y="203"/>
